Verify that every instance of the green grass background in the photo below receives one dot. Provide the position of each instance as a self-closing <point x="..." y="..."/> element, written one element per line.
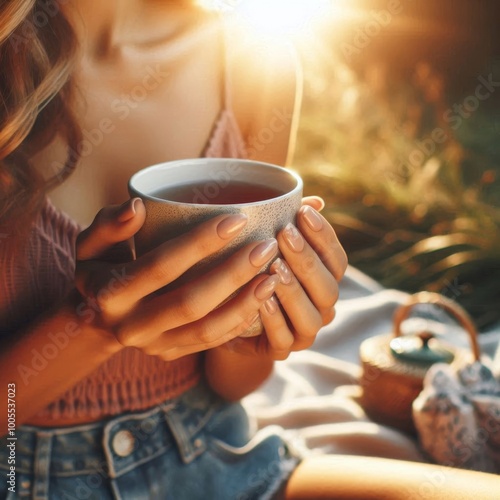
<point x="413" y="221"/>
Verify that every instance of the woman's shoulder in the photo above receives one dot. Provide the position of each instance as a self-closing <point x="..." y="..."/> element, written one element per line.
<point x="265" y="77"/>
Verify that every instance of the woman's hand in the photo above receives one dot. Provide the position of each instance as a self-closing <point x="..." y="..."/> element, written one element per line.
<point x="312" y="265"/>
<point x="127" y="300"/>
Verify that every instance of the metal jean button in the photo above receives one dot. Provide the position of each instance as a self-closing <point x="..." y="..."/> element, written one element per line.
<point x="123" y="443"/>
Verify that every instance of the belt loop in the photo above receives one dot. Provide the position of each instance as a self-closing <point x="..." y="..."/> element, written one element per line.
<point x="188" y="447"/>
<point x="41" y="465"/>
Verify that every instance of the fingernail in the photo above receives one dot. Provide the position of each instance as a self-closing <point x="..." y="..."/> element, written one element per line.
<point x="312" y="218"/>
<point x="253" y="319"/>
<point x="294" y="238"/>
<point x="231" y="226"/>
<point x="263" y="252"/>
<point x="271" y="305"/>
<point x="266" y="289"/>
<point x="127" y="210"/>
<point x="322" y="201"/>
<point x="282" y="270"/>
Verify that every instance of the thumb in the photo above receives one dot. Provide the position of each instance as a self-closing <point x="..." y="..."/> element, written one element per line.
<point x="113" y="224"/>
<point x="315" y="202"/>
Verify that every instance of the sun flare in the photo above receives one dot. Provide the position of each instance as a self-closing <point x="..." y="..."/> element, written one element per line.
<point x="280" y="17"/>
<point x="283" y="16"/>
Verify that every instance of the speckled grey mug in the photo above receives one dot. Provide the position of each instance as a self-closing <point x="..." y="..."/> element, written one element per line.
<point x="167" y="219"/>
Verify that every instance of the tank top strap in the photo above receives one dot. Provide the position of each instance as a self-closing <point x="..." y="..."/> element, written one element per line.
<point x="226" y="73"/>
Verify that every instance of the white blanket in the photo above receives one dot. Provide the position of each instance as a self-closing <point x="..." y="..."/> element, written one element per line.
<point x="314" y="394"/>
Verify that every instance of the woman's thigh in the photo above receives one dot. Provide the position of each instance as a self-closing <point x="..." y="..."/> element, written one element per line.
<point x="354" y="477"/>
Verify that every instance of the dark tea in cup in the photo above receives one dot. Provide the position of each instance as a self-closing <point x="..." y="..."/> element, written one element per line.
<point x="233" y="193"/>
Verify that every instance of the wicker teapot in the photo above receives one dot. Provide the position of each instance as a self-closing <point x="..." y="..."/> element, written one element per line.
<point x="394" y="365"/>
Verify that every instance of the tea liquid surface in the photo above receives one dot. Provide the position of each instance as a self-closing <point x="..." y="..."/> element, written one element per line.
<point x="213" y="193"/>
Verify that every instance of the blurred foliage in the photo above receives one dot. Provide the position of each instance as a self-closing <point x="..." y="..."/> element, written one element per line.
<point x="412" y="212"/>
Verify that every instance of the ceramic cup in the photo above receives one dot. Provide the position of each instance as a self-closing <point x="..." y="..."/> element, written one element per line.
<point x="179" y="195"/>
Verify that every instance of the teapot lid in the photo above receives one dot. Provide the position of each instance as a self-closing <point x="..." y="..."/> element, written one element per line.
<point x="418" y="349"/>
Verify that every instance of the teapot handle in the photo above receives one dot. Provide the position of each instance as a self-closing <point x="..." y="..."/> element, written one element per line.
<point x="448" y="305"/>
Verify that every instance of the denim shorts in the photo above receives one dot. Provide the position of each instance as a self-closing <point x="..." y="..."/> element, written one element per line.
<point x="196" y="446"/>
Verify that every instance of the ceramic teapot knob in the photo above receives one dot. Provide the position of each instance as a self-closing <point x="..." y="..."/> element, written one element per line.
<point x="419" y="349"/>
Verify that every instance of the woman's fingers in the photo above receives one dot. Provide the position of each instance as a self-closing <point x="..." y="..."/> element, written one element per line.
<point x="308" y="268"/>
<point x="322" y="238"/>
<point x="312" y="264"/>
<point x="303" y="314"/>
<point x="195" y="299"/>
<point x="219" y="326"/>
<point x="192" y="316"/>
<point x="280" y="339"/>
<point x="157" y="268"/>
<point x="112" y="225"/>
<point x="169" y="261"/>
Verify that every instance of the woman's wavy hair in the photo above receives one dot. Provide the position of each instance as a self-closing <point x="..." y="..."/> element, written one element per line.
<point x="37" y="54"/>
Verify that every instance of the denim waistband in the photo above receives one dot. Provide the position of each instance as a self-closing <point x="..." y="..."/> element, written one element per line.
<point x="111" y="447"/>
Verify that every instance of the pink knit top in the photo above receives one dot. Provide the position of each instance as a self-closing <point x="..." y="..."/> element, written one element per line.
<point x="130" y="380"/>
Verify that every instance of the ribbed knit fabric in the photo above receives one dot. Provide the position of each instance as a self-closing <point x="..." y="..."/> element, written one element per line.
<point x="226" y="140"/>
<point x="130" y="380"/>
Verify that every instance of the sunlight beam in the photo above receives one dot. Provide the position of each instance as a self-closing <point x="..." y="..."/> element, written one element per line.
<point x="279" y="17"/>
